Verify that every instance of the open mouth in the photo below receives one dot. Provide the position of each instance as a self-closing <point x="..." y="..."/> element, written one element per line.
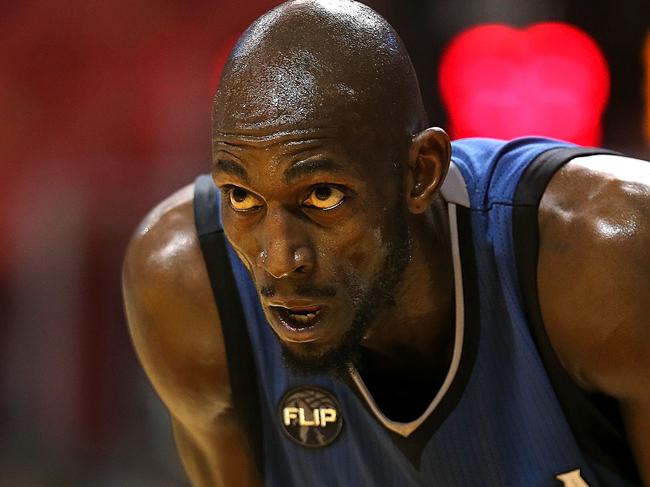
<point x="297" y="318"/>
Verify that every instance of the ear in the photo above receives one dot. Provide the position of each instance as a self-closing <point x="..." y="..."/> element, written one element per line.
<point x="429" y="157"/>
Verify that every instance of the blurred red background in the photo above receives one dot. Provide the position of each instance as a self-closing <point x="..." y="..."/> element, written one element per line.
<point x="105" y="111"/>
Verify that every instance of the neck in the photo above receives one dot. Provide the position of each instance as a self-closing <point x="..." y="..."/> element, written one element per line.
<point x="418" y="331"/>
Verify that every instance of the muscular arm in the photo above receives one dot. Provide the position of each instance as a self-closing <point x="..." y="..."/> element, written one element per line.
<point x="594" y="283"/>
<point x="176" y="332"/>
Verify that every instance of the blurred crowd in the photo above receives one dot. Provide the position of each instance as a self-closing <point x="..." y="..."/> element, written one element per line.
<point x="105" y="111"/>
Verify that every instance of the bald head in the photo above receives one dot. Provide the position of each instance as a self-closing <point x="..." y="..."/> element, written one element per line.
<point x="309" y="63"/>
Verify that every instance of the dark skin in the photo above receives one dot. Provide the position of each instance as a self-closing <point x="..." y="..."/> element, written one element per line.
<point x="333" y="221"/>
<point x="276" y="226"/>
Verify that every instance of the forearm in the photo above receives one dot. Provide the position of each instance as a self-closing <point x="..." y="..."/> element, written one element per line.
<point x="216" y="457"/>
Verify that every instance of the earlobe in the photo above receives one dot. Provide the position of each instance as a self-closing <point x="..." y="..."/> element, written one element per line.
<point x="429" y="157"/>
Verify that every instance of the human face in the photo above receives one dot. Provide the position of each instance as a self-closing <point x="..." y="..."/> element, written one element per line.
<point x="321" y="230"/>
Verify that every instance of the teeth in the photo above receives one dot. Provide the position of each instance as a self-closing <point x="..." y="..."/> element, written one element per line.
<point x="303" y="318"/>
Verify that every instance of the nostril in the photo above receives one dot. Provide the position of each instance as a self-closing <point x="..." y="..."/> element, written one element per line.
<point x="302" y="269"/>
<point x="303" y="259"/>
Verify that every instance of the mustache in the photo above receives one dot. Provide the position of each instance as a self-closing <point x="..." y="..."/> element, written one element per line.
<point x="303" y="291"/>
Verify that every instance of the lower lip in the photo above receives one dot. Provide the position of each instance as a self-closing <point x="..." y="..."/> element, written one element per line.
<point x="294" y="331"/>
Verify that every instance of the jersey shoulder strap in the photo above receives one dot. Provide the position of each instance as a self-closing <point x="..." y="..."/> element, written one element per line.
<point x="239" y="353"/>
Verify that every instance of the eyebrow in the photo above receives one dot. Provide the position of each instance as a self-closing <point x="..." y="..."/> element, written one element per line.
<point x="310" y="166"/>
<point x="231" y="167"/>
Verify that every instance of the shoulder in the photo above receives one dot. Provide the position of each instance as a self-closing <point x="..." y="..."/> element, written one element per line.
<point x="594" y="271"/>
<point x="164" y="252"/>
<point x="172" y="316"/>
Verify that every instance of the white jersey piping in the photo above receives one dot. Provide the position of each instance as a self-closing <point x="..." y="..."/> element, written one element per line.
<point x="405" y="429"/>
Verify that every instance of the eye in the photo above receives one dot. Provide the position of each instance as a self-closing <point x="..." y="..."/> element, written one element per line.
<point x="325" y="197"/>
<point x="242" y="200"/>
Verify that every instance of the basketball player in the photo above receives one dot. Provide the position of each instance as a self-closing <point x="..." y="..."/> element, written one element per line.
<point x="348" y="300"/>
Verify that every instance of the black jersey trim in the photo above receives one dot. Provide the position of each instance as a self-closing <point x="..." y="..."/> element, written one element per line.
<point x="239" y="352"/>
<point x="594" y="419"/>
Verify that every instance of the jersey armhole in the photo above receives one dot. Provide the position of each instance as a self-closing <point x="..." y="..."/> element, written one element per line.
<point x="594" y="418"/>
<point x="239" y="354"/>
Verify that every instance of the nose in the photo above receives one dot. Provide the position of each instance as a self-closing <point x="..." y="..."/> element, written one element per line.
<point x="285" y="249"/>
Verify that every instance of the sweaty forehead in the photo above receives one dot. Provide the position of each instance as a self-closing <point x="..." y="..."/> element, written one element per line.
<point x="309" y="61"/>
<point x="293" y="91"/>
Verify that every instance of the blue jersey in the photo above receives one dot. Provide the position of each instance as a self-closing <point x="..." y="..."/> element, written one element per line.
<point x="506" y="414"/>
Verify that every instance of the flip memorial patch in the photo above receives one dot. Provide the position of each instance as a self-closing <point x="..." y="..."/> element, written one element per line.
<point x="310" y="416"/>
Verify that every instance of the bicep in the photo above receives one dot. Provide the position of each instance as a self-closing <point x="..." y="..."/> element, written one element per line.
<point x="594" y="285"/>
<point x="598" y="320"/>
<point x="183" y="360"/>
<point x="175" y="331"/>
